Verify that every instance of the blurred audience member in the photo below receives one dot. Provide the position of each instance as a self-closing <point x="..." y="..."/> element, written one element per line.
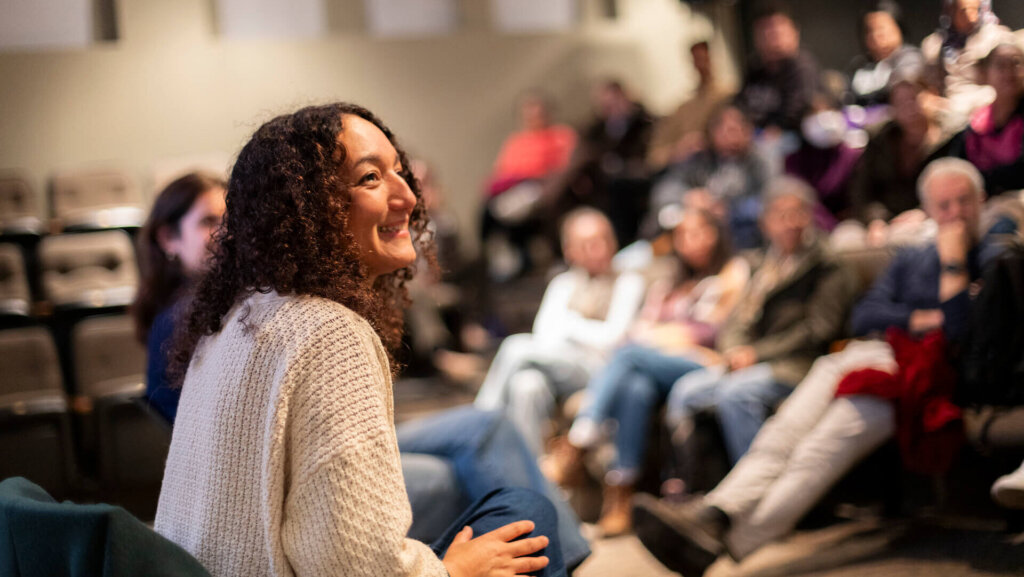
<point x="994" y="140"/>
<point x="817" y="436"/>
<point x="968" y="31"/>
<point x="436" y="318"/>
<point x="584" y="313"/>
<point x="537" y="150"/>
<point x="794" y="307"/>
<point x="881" y="30"/>
<point x="674" y="335"/>
<point x="527" y="159"/>
<point x="731" y="170"/>
<point x="883" y="193"/>
<point x="678" y="136"/>
<point x="824" y="160"/>
<point x="173" y="251"/>
<point x="443" y="223"/>
<point x="608" y="170"/>
<point x="782" y="78"/>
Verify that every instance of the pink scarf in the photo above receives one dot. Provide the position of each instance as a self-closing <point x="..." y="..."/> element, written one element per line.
<point x="989" y="146"/>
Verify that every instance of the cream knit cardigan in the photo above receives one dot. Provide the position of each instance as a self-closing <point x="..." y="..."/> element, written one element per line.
<point x="284" y="459"/>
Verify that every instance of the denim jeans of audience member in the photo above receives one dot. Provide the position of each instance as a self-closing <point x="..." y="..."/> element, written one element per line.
<point x="741" y="399"/>
<point x="434" y="494"/>
<point x="629" y="390"/>
<point x="744" y="223"/>
<point x="508" y="505"/>
<point x="483" y="452"/>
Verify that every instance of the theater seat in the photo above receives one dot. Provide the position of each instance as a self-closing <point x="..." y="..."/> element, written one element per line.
<point x="867" y="263"/>
<point x="15" y="298"/>
<point x="88" y="270"/>
<point x="39" y="536"/>
<point x="19" y="207"/>
<point x="96" y="199"/>
<point x="108" y="360"/>
<point x="35" y="427"/>
<point x="109" y="366"/>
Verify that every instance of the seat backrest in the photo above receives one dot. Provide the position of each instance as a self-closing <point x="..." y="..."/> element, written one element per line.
<point x="107" y="358"/>
<point x="30" y="364"/>
<point x="868" y="264"/>
<point x="97" y="199"/>
<point x="86" y="270"/>
<point x="19" y="206"/>
<point x="15" y="298"/>
<point x="39" y="536"/>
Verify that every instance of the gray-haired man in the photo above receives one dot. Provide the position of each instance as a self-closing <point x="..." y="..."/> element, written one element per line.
<point x="815" y="437"/>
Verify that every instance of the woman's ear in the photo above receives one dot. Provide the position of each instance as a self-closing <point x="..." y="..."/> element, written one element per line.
<point x="168" y="239"/>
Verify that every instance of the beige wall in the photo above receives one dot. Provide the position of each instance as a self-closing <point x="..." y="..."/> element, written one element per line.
<point x="171" y="90"/>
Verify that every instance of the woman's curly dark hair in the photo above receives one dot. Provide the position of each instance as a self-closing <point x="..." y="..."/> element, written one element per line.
<point x="286" y="229"/>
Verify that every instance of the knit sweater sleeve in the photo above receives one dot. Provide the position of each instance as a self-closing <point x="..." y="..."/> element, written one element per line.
<point x="345" y="510"/>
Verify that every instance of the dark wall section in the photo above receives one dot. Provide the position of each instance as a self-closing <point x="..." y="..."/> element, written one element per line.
<point x="829" y="28"/>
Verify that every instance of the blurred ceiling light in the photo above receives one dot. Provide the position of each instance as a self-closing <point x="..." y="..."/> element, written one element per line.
<point x="411" y="18"/>
<point x="271" y="19"/>
<point x="534" y="15"/>
<point x="46" y="24"/>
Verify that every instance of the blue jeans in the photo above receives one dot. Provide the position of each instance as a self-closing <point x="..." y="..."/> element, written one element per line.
<point x="741" y="400"/>
<point x="508" y="505"/>
<point x="629" y="389"/>
<point x="484" y="452"/>
<point x="744" y="218"/>
<point x="434" y="495"/>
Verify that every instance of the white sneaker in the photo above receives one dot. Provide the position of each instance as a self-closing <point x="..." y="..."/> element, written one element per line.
<point x="584" y="433"/>
<point x="1008" y="490"/>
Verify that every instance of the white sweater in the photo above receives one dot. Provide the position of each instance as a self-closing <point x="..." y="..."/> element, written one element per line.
<point x="284" y="459"/>
<point x="556" y="321"/>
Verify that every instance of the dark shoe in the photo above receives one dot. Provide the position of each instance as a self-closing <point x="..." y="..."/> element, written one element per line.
<point x="684" y="538"/>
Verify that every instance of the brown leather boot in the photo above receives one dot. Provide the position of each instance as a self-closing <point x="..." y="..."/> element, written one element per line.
<point x="563" y="465"/>
<point x="616" y="510"/>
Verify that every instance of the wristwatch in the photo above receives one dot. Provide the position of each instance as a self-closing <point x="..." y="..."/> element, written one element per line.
<point x="955" y="267"/>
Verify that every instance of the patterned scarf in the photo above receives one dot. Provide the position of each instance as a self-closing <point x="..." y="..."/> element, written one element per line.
<point x="953" y="42"/>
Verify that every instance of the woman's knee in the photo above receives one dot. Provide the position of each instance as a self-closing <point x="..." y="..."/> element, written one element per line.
<point x="516" y="345"/>
<point x="638" y="390"/>
<point x="525" y="504"/>
<point x="632" y="354"/>
<point x="528" y="383"/>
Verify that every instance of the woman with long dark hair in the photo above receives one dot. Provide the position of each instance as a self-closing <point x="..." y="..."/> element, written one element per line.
<point x="284" y="459"/>
<point x="173" y="251"/>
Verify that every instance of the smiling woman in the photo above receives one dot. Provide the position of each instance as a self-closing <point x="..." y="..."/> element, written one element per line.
<point x="284" y="459"/>
<point x="381" y="198"/>
<point x="298" y="221"/>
